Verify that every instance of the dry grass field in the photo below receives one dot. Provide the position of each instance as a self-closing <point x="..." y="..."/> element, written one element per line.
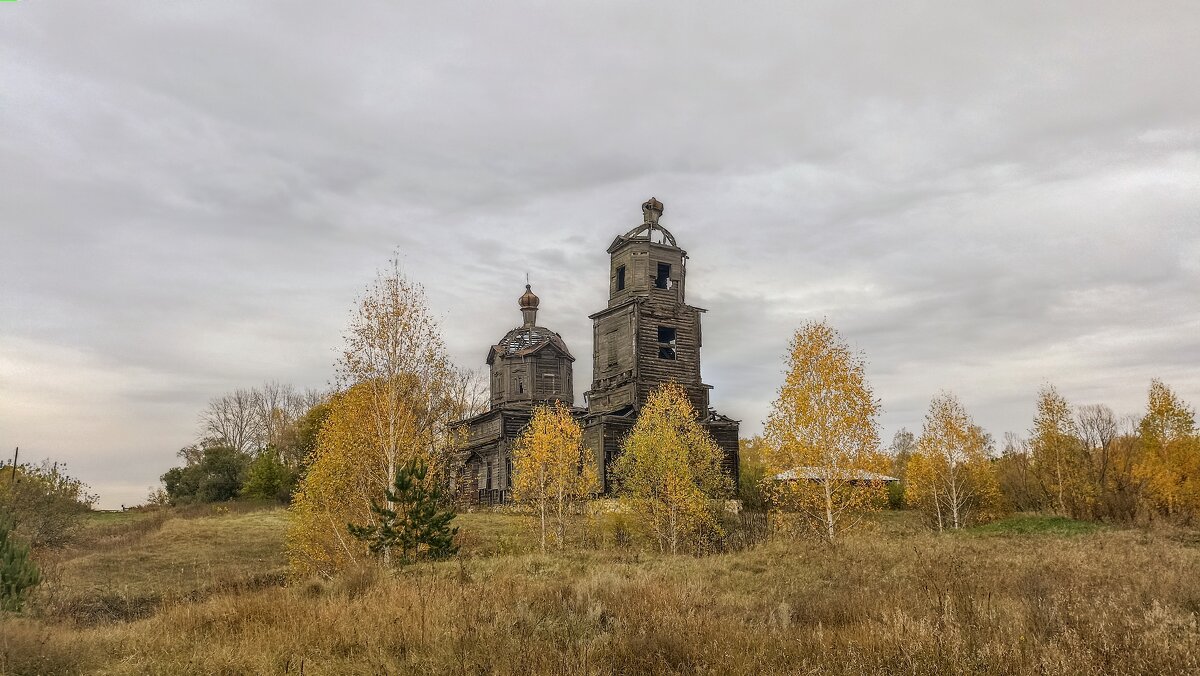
<point x="205" y="593"/>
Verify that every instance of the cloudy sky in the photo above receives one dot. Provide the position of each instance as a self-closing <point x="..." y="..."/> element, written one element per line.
<point x="981" y="197"/>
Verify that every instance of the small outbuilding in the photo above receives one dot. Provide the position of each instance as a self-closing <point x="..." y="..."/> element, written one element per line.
<point x="818" y="474"/>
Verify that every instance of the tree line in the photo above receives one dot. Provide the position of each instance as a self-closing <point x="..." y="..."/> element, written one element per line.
<point x="1087" y="463"/>
<point x="373" y="463"/>
<point x="817" y="461"/>
<point x="1084" y="462"/>
<point x="253" y="442"/>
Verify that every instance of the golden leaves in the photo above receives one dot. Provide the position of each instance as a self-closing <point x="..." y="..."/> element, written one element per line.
<point x="399" y="394"/>
<point x="824" y="422"/>
<point x="950" y="476"/>
<point x="670" y="472"/>
<point x="551" y="469"/>
<point x="1059" y="455"/>
<point x="1169" y="462"/>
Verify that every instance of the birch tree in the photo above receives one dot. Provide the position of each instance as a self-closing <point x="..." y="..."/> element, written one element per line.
<point x="1170" y="453"/>
<point x="1058" y="453"/>
<point x="670" y="473"/>
<point x="398" y="393"/>
<point x="551" y="469"/>
<point x="950" y="476"/>
<point x="823" y="428"/>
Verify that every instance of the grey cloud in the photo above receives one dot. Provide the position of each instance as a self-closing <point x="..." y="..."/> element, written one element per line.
<point x="982" y="197"/>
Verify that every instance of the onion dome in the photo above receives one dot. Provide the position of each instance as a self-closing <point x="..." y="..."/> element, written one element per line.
<point x="531" y="363"/>
<point x="529" y="337"/>
<point x="529" y="299"/>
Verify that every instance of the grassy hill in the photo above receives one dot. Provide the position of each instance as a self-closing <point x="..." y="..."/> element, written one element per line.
<point x="204" y="592"/>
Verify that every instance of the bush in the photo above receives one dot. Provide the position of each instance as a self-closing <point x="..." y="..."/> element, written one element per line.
<point x="416" y="526"/>
<point x="615" y="528"/>
<point x="742" y="530"/>
<point x="216" y="475"/>
<point x="269" y="479"/>
<point x="46" y="506"/>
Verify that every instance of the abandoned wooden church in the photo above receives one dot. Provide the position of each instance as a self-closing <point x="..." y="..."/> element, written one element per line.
<point x="648" y="335"/>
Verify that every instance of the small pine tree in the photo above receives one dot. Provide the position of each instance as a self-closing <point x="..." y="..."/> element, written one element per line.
<point x="412" y="521"/>
<point x="18" y="574"/>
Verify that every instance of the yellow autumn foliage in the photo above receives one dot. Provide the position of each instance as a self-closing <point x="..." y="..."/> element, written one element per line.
<point x="823" y="428"/>
<point x="1169" y="462"/>
<point x="346" y="473"/>
<point x="399" y="392"/>
<point x="950" y="476"/>
<point x="1059" y="456"/>
<point x="670" y="474"/>
<point x="552" y="471"/>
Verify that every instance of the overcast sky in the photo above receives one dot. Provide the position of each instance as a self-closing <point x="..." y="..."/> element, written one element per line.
<point x="982" y="197"/>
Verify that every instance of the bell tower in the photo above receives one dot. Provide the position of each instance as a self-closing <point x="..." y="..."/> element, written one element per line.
<point x="648" y="335"/>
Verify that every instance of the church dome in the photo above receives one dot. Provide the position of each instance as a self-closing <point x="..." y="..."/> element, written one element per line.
<point x="529" y="337"/>
<point x="531" y="364"/>
<point x="529" y="299"/>
<point x="526" y="340"/>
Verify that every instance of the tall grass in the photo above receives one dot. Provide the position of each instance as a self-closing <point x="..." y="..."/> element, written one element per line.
<point x="128" y="568"/>
<point x="887" y="602"/>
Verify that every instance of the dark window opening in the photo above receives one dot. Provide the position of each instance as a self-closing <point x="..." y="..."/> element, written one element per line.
<point x="520" y="385"/>
<point x="620" y="277"/>
<point x="663" y="280"/>
<point x="666" y="342"/>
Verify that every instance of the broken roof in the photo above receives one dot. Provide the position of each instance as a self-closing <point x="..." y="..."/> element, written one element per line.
<point x="526" y="340"/>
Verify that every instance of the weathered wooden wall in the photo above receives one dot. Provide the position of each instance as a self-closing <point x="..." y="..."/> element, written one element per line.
<point x="627" y="361"/>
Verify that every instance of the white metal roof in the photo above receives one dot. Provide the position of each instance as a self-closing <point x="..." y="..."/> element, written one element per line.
<point x="818" y="473"/>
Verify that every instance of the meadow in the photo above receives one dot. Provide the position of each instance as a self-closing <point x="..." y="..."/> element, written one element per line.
<point x="205" y="591"/>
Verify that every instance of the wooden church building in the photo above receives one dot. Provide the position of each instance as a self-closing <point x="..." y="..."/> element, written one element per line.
<point x="648" y="335"/>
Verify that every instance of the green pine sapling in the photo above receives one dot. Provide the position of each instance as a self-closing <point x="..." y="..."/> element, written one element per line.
<point x="413" y="522"/>
<point x="18" y="574"/>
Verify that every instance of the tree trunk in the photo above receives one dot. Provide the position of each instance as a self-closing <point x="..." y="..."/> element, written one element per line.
<point x="562" y="516"/>
<point x="937" y="508"/>
<point x="542" y="503"/>
<point x="674" y="531"/>
<point x="828" y="510"/>
<point x="1062" y="505"/>
<point x="954" y="502"/>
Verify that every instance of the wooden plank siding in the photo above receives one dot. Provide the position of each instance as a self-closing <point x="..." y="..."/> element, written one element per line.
<point x="646" y="336"/>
